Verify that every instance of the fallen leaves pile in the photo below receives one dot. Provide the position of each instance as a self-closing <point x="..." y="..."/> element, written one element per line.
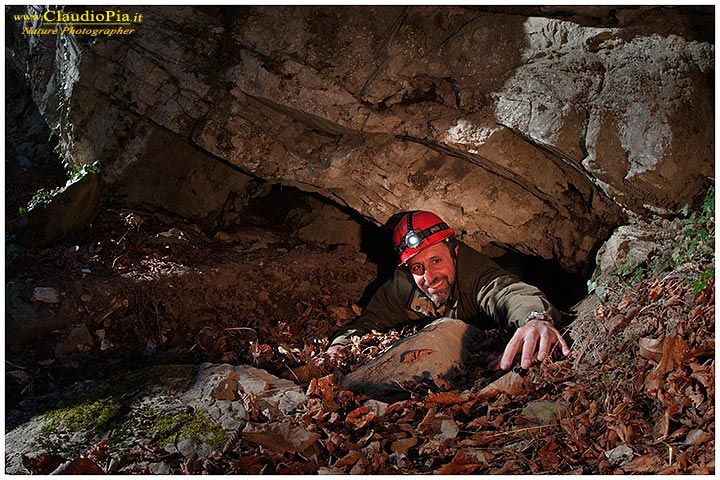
<point x="647" y="407"/>
<point x="621" y="403"/>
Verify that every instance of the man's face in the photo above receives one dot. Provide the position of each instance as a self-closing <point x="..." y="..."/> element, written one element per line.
<point x="433" y="270"/>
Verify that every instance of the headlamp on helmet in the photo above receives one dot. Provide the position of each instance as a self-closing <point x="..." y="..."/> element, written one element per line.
<point x="417" y="231"/>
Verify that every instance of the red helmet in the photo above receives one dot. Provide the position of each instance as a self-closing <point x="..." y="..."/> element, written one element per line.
<point x="418" y="230"/>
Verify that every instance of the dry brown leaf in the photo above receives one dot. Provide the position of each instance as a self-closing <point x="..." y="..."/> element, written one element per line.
<point x="358" y="418"/>
<point x="705" y="295"/>
<point x="651" y="348"/>
<point x="463" y="462"/>
<point x="649" y="463"/>
<point x="511" y="384"/>
<point x="707" y="349"/>
<point x="226" y="389"/>
<point x="323" y="387"/>
<point x="445" y="398"/>
<point x="615" y="322"/>
<point x="479" y="440"/>
<point x="343" y="315"/>
<point x="427" y="422"/>
<point x="351" y="458"/>
<point x="280" y="437"/>
<point x="549" y="456"/>
<point x="507" y="467"/>
<point x="626" y="300"/>
<point x="631" y="313"/>
<point x="697" y="437"/>
<point x="305" y="373"/>
<point x="674" y="351"/>
<point x="79" y="466"/>
<point x="42" y="465"/>
<point x="705" y="375"/>
<point x="445" y="428"/>
<point x="336" y="443"/>
<point x="655" y="290"/>
<point x="403" y="445"/>
<point x="399" y="406"/>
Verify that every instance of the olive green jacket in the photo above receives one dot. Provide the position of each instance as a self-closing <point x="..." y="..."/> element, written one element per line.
<point x="484" y="295"/>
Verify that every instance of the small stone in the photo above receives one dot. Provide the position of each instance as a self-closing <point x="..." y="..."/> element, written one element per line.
<point x="377" y="407"/>
<point x="77" y="340"/>
<point x="105" y="344"/>
<point x="543" y="412"/>
<point x="100" y="334"/>
<point x="46" y="295"/>
<point x="159" y="468"/>
<point x="619" y="455"/>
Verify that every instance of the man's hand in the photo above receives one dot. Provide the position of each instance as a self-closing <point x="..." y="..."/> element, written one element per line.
<point x="332" y="357"/>
<point x="526" y="339"/>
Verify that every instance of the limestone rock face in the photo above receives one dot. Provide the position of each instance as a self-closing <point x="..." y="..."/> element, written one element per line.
<point x="530" y="129"/>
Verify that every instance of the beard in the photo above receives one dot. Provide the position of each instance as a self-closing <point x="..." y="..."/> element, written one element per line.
<point x="441" y="293"/>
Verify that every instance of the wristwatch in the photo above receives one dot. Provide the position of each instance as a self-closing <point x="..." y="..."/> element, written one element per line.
<point x="535" y="315"/>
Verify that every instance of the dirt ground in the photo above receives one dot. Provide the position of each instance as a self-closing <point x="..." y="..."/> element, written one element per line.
<point x="145" y="288"/>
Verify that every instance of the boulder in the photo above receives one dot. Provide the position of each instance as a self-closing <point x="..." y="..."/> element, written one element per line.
<point x="179" y="402"/>
<point x="433" y="356"/>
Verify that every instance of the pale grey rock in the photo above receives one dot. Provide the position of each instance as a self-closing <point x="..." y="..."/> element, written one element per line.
<point x="631" y="246"/>
<point x="45" y="295"/>
<point x="619" y="455"/>
<point x="149" y="396"/>
<point x="543" y="412"/>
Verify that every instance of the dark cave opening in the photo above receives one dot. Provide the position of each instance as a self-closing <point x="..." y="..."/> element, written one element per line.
<point x="564" y="289"/>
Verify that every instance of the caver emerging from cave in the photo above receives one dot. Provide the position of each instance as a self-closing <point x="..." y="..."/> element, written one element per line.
<point x="445" y="282"/>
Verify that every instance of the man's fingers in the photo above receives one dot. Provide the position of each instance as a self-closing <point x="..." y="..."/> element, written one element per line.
<point x="503" y="361"/>
<point x="557" y="338"/>
<point x="528" y="351"/>
<point x="510" y="351"/>
<point x="544" y="348"/>
<point x="529" y="341"/>
<point x="563" y="345"/>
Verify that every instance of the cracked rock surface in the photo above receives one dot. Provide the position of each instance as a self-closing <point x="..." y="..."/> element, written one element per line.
<point x="539" y="129"/>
